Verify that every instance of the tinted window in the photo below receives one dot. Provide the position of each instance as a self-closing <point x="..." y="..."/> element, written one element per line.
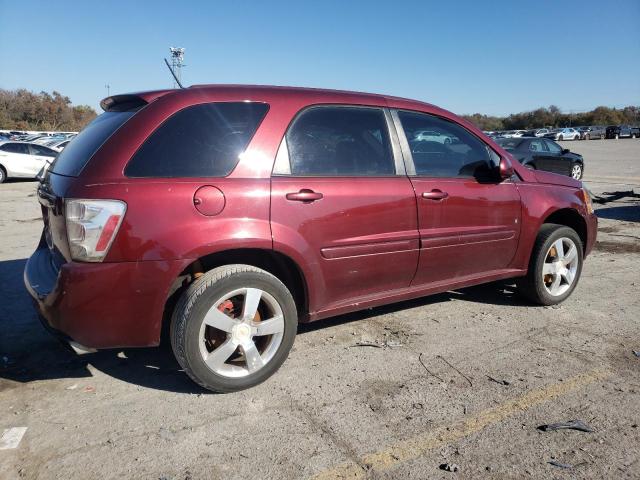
<point x="77" y="154"/>
<point x="455" y="152"/>
<point x="200" y="141"/>
<point x="15" y="148"/>
<point x="340" y="141"/>
<point x="538" y="145"/>
<point x="553" y="146"/>
<point x="43" y="151"/>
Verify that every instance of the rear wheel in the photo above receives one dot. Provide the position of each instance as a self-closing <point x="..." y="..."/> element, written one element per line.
<point x="588" y="137"/>
<point x="3" y="175"/>
<point x="555" y="266"/>
<point x="233" y="328"/>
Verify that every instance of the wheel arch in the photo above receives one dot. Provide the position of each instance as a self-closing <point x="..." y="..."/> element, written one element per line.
<point x="276" y="263"/>
<point x="572" y="219"/>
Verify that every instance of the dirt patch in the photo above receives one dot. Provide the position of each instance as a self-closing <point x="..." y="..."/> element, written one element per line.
<point x="617" y="247"/>
<point x="610" y="229"/>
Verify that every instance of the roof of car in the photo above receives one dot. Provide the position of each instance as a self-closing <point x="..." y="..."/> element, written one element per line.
<point x="270" y="91"/>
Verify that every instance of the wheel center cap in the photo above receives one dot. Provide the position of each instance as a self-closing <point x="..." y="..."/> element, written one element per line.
<point x="241" y="333"/>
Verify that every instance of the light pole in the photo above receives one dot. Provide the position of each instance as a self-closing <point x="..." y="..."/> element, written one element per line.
<point x="108" y="87"/>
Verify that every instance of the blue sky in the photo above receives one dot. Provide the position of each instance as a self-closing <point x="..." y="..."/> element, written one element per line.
<point x="493" y="57"/>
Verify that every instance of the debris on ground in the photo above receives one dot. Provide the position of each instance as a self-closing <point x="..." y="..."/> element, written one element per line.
<point x="89" y="389"/>
<point x="607" y="197"/>
<point x="501" y="382"/>
<point x="427" y="369"/>
<point x="11" y="437"/>
<point x="560" y="464"/>
<point x="449" y="467"/>
<point x="636" y="353"/>
<point x="72" y="387"/>
<point x="377" y="345"/>
<point x="459" y="372"/>
<point x="570" y="425"/>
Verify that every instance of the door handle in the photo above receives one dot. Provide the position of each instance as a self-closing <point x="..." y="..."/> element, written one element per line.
<point x="305" y="195"/>
<point x="435" y="195"/>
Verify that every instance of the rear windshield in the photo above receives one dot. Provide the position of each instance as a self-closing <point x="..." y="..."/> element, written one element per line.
<point x="203" y="140"/>
<point x="77" y="153"/>
<point x="509" y="142"/>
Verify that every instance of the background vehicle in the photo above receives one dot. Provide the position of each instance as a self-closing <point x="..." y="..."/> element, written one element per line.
<point x="563" y="134"/>
<point x="431" y="136"/>
<point x="23" y="160"/>
<point x="593" y="132"/>
<point x="544" y="154"/>
<point x="297" y="205"/>
<point x="622" y="131"/>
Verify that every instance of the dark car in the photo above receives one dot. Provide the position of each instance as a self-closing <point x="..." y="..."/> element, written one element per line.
<point x="622" y="131"/>
<point x="593" y="132"/>
<point x="544" y="154"/>
<point x="230" y="213"/>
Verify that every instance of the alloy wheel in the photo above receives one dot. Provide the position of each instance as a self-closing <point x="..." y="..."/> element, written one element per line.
<point x="560" y="266"/>
<point x="241" y="332"/>
<point x="576" y="171"/>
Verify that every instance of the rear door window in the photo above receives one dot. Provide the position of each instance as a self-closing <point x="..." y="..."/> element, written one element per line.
<point x="199" y="141"/>
<point x="42" y="151"/>
<point x="15" y="148"/>
<point x="77" y="154"/>
<point x="340" y="141"/>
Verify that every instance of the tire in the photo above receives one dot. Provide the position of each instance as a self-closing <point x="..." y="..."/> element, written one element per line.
<point x="538" y="287"/>
<point x="587" y="137"/>
<point x="3" y="174"/>
<point x="633" y="135"/>
<point x="216" y="295"/>
<point x="616" y="136"/>
<point x="447" y="141"/>
<point x="560" y="137"/>
<point x="602" y="136"/>
<point x="577" y="170"/>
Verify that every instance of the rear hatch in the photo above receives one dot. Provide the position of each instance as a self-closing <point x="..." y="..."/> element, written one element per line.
<point x="64" y="172"/>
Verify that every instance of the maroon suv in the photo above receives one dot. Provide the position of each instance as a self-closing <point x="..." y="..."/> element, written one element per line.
<point x="230" y="213"/>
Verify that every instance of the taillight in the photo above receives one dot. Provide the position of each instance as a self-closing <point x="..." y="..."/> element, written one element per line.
<point x="91" y="227"/>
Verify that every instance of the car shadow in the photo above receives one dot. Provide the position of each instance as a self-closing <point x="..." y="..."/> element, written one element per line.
<point x="29" y="353"/>
<point x="626" y="213"/>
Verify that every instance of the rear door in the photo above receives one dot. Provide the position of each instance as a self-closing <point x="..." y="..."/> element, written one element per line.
<point x="468" y="219"/>
<point x="41" y="157"/>
<point x="555" y="162"/>
<point x="17" y="160"/>
<point x="340" y="197"/>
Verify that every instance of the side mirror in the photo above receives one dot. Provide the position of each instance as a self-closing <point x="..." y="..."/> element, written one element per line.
<point x="506" y="169"/>
<point x="565" y="150"/>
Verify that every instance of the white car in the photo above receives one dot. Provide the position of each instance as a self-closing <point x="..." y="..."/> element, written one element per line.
<point x="23" y="160"/>
<point x="431" y="136"/>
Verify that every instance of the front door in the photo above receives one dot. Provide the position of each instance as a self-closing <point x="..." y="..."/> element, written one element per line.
<point x="469" y="219"/>
<point x="339" y="197"/>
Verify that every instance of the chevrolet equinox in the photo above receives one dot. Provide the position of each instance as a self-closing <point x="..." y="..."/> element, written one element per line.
<point x="229" y="214"/>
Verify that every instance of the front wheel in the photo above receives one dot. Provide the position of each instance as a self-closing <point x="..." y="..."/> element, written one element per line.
<point x="576" y="171"/>
<point x="555" y="265"/>
<point x="3" y="175"/>
<point x="233" y="328"/>
<point x="560" y="137"/>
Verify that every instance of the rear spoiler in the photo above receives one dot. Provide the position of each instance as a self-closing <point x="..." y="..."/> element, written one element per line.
<point x="131" y="101"/>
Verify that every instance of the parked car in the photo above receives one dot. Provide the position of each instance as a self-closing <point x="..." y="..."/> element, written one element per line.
<point x="537" y="132"/>
<point x="592" y="133"/>
<point x="295" y="205"/>
<point x="544" y="154"/>
<point x="431" y="136"/>
<point x="58" y="144"/>
<point x="23" y="160"/>
<point x="622" y="131"/>
<point x="563" y="134"/>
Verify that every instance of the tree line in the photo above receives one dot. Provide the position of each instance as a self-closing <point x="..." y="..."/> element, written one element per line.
<point x="24" y="110"/>
<point x="553" y="117"/>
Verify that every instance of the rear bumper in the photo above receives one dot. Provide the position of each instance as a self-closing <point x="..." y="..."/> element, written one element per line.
<point x="102" y="305"/>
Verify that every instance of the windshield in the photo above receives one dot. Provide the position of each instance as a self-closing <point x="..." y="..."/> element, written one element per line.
<point x="77" y="153"/>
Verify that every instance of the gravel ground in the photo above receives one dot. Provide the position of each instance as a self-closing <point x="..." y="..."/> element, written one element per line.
<point x="464" y="378"/>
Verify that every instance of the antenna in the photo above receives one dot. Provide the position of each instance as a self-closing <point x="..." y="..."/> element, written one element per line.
<point x="177" y="62"/>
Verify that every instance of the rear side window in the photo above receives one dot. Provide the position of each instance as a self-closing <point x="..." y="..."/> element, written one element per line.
<point x="454" y="152"/>
<point x="15" y="148"/>
<point x="199" y="141"/>
<point x="77" y="154"/>
<point x="340" y="141"/>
